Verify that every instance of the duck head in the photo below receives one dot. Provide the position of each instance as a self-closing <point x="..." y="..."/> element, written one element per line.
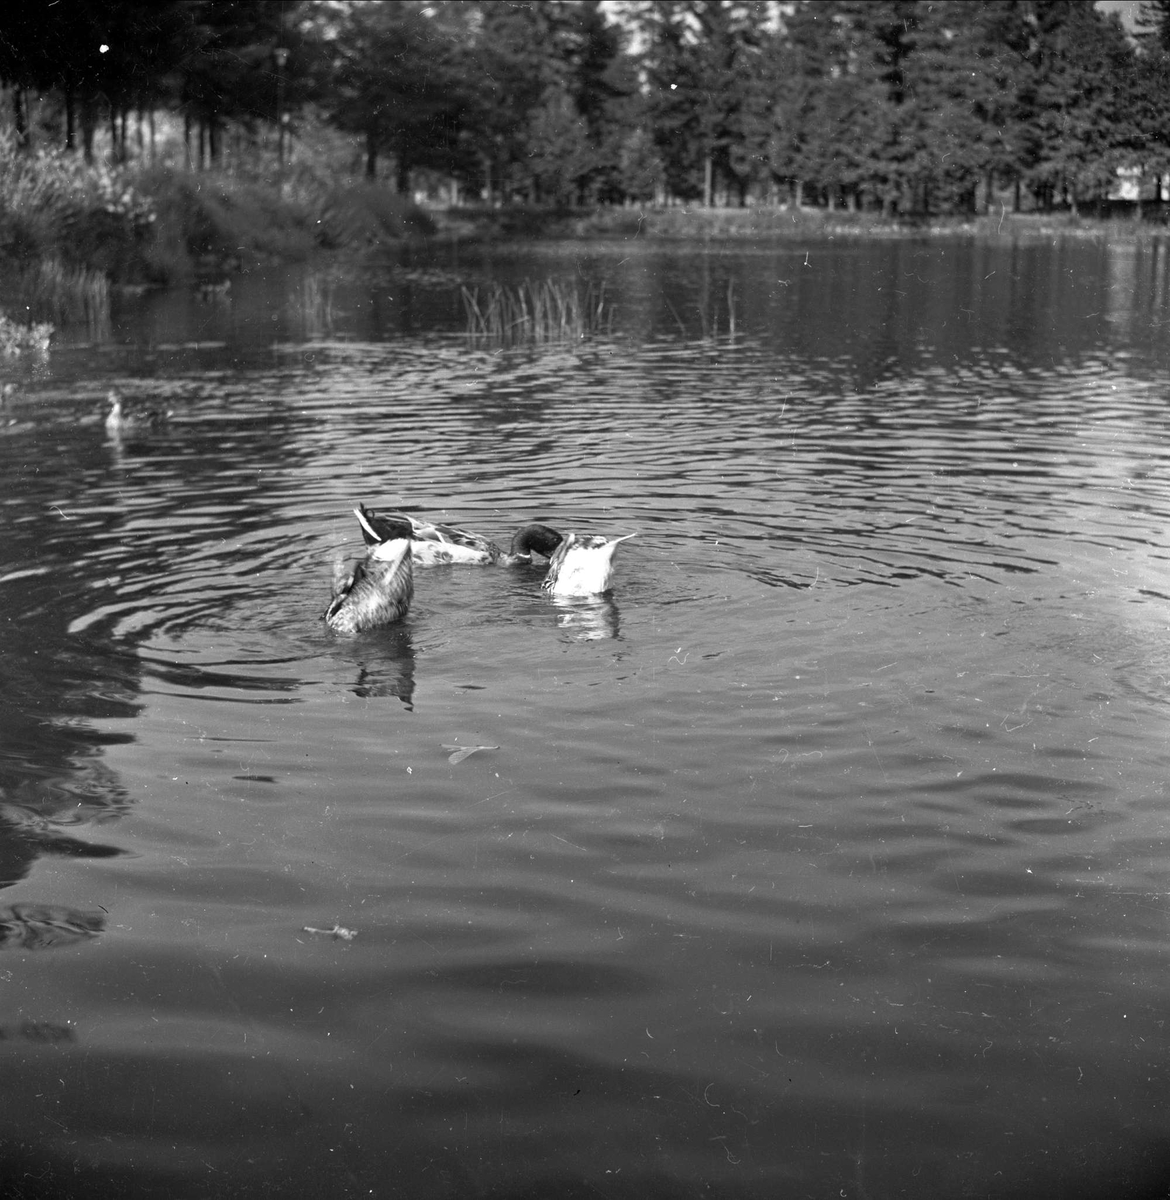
<point x="541" y="539"/>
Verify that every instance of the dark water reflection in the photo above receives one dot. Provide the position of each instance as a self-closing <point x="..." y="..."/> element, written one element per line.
<point x="824" y="857"/>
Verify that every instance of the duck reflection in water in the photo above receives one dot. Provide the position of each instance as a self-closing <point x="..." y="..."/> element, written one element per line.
<point x="385" y="666"/>
<point x="587" y="618"/>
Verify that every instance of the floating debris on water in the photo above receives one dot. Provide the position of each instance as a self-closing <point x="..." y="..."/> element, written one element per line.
<point x="461" y="752"/>
<point x="338" y="931"/>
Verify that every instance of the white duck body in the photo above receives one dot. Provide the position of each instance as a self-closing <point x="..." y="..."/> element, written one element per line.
<point x="582" y="565"/>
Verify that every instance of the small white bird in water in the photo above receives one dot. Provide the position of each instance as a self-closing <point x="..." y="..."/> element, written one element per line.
<point x="582" y="565"/>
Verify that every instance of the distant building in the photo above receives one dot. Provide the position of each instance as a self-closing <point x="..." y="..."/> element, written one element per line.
<point x="1134" y="185"/>
<point x="1128" y="185"/>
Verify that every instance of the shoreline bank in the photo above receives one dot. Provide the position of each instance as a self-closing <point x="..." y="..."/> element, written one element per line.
<point x="70" y="238"/>
<point x="680" y="223"/>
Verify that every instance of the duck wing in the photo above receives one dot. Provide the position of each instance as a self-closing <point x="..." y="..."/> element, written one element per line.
<point x="377" y="592"/>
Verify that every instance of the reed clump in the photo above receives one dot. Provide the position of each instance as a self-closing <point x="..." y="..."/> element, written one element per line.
<point x="53" y="291"/>
<point x="311" y="306"/>
<point x="537" y="312"/>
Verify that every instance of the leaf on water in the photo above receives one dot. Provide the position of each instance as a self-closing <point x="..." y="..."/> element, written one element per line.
<point x="461" y="752"/>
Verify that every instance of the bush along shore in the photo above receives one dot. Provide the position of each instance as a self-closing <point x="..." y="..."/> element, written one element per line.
<point x="70" y="232"/>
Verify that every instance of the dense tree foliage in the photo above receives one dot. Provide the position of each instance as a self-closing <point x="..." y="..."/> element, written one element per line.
<point x="391" y="74"/>
<point x="908" y="106"/>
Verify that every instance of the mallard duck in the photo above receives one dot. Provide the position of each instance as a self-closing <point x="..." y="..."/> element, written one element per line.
<point x="436" y="544"/>
<point x="582" y="565"/>
<point x="379" y="590"/>
<point x="118" y="421"/>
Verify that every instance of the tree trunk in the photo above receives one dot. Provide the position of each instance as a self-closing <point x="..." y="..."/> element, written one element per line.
<point x="87" y="124"/>
<point x="401" y="174"/>
<point x="707" y="171"/>
<point x="70" y="141"/>
<point x="20" y="119"/>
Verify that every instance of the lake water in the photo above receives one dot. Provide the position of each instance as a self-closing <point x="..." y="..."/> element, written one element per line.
<point x="828" y="857"/>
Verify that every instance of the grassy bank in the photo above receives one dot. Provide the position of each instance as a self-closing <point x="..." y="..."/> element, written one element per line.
<point x="68" y="233"/>
<point x="735" y="224"/>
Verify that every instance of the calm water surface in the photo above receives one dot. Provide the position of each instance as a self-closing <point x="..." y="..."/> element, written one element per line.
<point x="827" y="857"/>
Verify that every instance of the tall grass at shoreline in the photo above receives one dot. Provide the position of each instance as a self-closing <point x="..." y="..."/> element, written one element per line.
<point x="50" y="291"/>
<point x="536" y="313"/>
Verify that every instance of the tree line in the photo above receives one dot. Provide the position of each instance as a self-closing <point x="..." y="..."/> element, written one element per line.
<point x="903" y="106"/>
